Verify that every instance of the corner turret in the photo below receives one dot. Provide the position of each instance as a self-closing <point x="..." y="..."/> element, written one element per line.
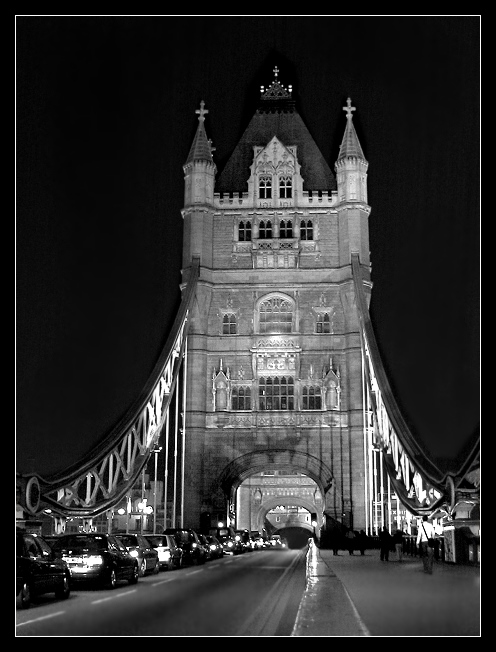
<point x="199" y="179"/>
<point x="353" y="209"/>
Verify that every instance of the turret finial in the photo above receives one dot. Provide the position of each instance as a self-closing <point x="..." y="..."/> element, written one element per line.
<point x="201" y="111"/>
<point x="347" y="108"/>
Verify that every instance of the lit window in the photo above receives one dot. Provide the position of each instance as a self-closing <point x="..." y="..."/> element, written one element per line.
<point x="286" y="229"/>
<point x="323" y="324"/>
<point x="285" y="187"/>
<point x="241" y="398"/>
<point x="306" y="230"/>
<point x="276" y="316"/>
<point x="244" y="232"/>
<point x="265" y="187"/>
<point x="276" y="393"/>
<point x="229" y="324"/>
<point x="312" y="398"/>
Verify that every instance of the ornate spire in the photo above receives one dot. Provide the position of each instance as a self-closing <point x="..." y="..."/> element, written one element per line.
<point x="276" y="97"/>
<point x="350" y="147"/>
<point x="201" y="149"/>
<point x="276" y="90"/>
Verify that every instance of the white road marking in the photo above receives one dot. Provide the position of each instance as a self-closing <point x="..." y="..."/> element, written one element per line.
<point x="37" y="620"/>
<point x="112" y="597"/>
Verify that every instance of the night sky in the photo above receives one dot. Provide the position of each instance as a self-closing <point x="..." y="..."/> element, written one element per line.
<point x="105" y="117"/>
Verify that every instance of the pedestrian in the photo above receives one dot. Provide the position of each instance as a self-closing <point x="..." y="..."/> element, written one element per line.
<point x="350" y="541"/>
<point x="362" y="541"/>
<point x="335" y="542"/>
<point x="426" y="543"/>
<point x="385" y="540"/>
<point x="398" y="543"/>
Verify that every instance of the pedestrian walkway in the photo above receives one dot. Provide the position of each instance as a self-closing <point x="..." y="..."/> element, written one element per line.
<point x="355" y="595"/>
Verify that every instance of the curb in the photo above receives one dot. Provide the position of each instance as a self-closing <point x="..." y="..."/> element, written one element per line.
<point x="326" y="609"/>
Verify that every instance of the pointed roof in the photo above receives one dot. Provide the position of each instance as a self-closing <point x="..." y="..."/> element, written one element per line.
<point x="201" y="148"/>
<point x="350" y="147"/>
<point x="276" y="115"/>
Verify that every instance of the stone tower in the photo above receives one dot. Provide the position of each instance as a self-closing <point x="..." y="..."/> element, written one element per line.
<point x="274" y="361"/>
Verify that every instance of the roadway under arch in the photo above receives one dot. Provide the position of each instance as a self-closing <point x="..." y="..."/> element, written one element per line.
<point x="258" y="461"/>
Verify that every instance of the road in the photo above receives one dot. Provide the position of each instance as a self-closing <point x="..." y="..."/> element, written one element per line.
<point x="254" y="594"/>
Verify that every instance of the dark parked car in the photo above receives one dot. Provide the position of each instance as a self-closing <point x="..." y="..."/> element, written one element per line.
<point x="193" y="552"/>
<point x="51" y="538"/>
<point x="39" y="570"/>
<point x="142" y="550"/>
<point x="277" y="542"/>
<point x="216" y="549"/>
<point x="227" y="538"/>
<point x="244" y="537"/>
<point x="169" y="553"/>
<point x="97" y="558"/>
<point x="206" y="546"/>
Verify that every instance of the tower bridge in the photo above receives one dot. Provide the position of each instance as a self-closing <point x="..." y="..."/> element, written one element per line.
<point x="271" y="364"/>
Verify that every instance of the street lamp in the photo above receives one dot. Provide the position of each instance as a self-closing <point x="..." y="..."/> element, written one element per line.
<point x="156" y="451"/>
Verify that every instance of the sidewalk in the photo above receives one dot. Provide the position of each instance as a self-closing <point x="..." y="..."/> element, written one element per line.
<point x="354" y="595"/>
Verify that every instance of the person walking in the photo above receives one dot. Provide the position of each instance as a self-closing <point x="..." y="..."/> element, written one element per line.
<point x="398" y="543"/>
<point x="362" y="541"/>
<point x="350" y="541"/>
<point x="335" y="542"/>
<point x="425" y="541"/>
<point x="385" y="540"/>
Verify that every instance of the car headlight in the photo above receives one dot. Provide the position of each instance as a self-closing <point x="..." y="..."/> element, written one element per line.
<point x="133" y="553"/>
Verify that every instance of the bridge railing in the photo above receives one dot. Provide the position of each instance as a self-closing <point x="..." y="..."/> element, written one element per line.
<point x="106" y="475"/>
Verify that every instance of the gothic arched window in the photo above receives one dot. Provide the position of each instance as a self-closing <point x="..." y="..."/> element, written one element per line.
<point x="244" y="231"/>
<point x="276" y="315"/>
<point x="265" y="186"/>
<point x="285" y="187"/>
<point x="265" y="229"/>
<point x="229" y="324"/>
<point x="306" y="230"/>
<point x="311" y="398"/>
<point x="286" y="229"/>
<point x="276" y="393"/>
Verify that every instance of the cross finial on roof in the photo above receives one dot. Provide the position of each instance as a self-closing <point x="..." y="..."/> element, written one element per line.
<point x="349" y="109"/>
<point x="276" y="72"/>
<point x="201" y="111"/>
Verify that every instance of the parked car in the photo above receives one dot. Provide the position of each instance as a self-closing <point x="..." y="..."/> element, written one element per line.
<point x="277" y="542"/>
<point x="97" y="558"/>
<point x="244" y="537"/>
<point x="206" y="546"/>
<point x="258" y="542"/>
<point x="170" y="554"/>
<point x="216" y="549"/>
<point x="50" y="538"/>
<point x="187" y="539"/>
<point x="227" y="538"/>
<point x="39" y="570"/>
<point x="142" y="550"/>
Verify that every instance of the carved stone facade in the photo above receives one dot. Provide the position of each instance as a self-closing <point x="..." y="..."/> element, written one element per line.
<point x="274" y="351"/>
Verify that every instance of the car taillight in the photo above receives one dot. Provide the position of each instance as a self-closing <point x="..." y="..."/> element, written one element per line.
<point x="94" y="560"/>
